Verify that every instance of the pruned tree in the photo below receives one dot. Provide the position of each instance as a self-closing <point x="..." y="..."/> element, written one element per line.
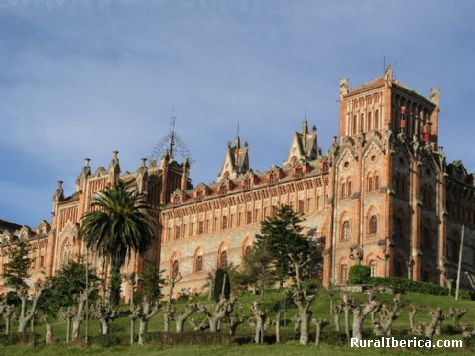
<point x="412" y="316"/>
<point x="149" y="294"/>
<point x="6" y="310"/>
<point x="337" y="309"/>
<point x="66" y="314"/>
<point x="181" y="318"/>
<point x="303" y="305"/>
<point x="319" y="323"/>
<point x="168" y="315"/>
<point x="359" y="314"/>
<point x="147" y="311"/>
<point x="26" y="315"/>
<point x="296" y="319"/>
<point x="172" y="282"/>
<point x="437" y="316"/>
<point x="49" y="331"/>
<point x="456" y="314"/>
<point x="106" y="312"/>
<point x="258" y="321"/>
<point x="221" y="309"/>
<point x="442" y="268"/>
<point x="201" y="325"/>
<point x="79" y="314"/>
<point x="387" y="315"/>
<point x="346" y="305"/>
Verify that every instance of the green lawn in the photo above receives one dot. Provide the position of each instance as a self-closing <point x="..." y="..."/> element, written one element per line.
<point x="320" y="308"/>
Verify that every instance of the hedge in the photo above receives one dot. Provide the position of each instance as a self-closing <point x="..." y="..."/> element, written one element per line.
<point x="399" y="284"/>
<point x="359" y="274"/>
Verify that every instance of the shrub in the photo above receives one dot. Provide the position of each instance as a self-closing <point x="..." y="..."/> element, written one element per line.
<point x="333" y="338"/>
<point x="28" y="338"/>
<point x="107" y="340"/>
<point x="399" y="284"/>
<point x="10" y="339"/>
<point x="359" y="274"/>
<point x="189" y="338"/>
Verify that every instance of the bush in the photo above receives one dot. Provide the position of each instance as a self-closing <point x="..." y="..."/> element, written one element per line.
<point x="333" y="338"/>
<point x="28" y="338"/>
<point x="399" y="284"/>
<point x="10" y="339"/>
<point x="189" y="338"/>
<point x="107" y="340"/>
<point x="359" y="274"/>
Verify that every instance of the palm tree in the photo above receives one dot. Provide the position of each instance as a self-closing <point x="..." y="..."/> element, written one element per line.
<point x="118" y="225"/>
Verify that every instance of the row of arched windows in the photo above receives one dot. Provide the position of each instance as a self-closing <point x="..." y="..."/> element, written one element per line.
<point x="365" y="123"/>
<point x="345" y="188"/>
<point x="198" y="260"/>
<point x="372" y="228"/>
<point x="372" y="182"/>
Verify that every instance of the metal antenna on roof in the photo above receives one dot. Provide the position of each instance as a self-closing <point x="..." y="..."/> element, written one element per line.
<point x="172" y="143"/>
<point x="172" y="132"/>
<point x="384" y="64"/>
<point x="237" y="129"/>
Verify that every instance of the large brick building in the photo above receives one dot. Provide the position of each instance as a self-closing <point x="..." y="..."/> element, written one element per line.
<point x="383" y="188"/>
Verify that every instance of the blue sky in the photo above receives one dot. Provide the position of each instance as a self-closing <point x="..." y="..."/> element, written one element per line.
<point x="80" y="79"/>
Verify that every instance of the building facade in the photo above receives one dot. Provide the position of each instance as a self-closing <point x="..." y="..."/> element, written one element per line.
<point x="383" y="192"/>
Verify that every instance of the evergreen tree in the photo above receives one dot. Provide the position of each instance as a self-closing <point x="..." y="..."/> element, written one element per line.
<point x="258" y="270"/>
<point x="294" y="255"/>
<point x="67" y="283"/>
<point x="16" y="269"/>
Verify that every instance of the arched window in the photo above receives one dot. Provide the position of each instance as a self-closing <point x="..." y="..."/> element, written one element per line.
<point x="222" y="189"/>
<point x="397" y="227"/>
<point x="362" y="120"/>
<point x="345" y="231"/>
<point x="376" y="119"/>
<point x="372" y="265"/>
<point x="247" y="250"/>
<point x="373" y="225"/>
<point x="369" y="125"/>
<point x="343" y="272"/>
<point x="376" y="182"/>
<point x="355" y="123"/>
<point x="370" y="183"/>
<point x="249" y="217"/>
<point x="223" y="259"/>
<point x="199" y="263"/>
<point x="247" y="184"/>
<point x="175" y="268"/>
<point x="342" y="190"/>
<point x="225" y="222"/>
<point x="348" y="188"/>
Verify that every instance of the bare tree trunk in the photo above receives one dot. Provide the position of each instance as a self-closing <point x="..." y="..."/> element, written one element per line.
<point x="222" y="308"/>
<point x="336" y="317"/>
<point x="412" y="318"/>
<point x="277" y="325"/>
<point x="319" y="323"/>
<point x="49" y="332"/>
<point x="359" y="314"/>
<point x="346" y="305"/>
<point x="106" y="312"/>
<point x="259" y="320"/>
<point x="436" y="317"/>
<point x="203" y="325"/>
<point x="26" y="316"/>
<point x="144" y="316"/>
<point x="181" y="318"/>
<point x="303" y="304"/>
<point x="7" y="315"/>
<point x="168" y="316"/>
<point x="79" y="315"/>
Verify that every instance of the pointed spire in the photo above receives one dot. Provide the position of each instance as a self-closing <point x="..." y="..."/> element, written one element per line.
<point x="305" y="126"/>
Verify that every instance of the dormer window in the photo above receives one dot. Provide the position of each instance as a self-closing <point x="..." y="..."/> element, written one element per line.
<point x="199" y="194"/>
<point x="247" y="184"/>
<point x="298" y="172"/>
<point x="222" y="190"/>
<point x="272" y="178"/>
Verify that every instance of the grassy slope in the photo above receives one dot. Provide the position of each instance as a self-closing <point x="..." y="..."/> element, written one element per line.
<point x="320" y="308"/>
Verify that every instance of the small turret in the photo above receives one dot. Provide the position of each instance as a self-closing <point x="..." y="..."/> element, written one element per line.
<point x="186" y="174"/>
<point x="141" y="177"/>
<point x="114" y="168"/>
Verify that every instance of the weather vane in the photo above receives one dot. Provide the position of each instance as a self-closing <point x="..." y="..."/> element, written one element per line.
<point x="172" y="143"/>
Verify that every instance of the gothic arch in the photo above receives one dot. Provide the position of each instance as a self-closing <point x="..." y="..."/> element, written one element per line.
<point x="198" y="260"/>
<point x="222" y="258"/>
<point x="246" y="246"/>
